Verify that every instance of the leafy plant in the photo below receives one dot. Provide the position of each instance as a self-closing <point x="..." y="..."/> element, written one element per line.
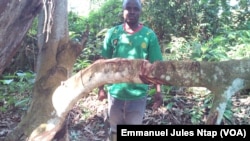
<point x="81" y="64"/>
<point x="15" y="90"/>
<point x="196" y="115"/>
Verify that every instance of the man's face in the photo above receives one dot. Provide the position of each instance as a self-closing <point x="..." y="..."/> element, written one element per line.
<point x="131" y="12"/>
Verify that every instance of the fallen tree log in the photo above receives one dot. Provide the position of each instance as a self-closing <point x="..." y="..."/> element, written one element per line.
<point x="223" y="79"/>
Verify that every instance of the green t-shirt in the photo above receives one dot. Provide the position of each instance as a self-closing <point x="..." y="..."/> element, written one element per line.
<point x="142" y="44"/>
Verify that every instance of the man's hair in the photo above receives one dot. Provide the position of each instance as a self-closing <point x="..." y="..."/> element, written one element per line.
<point x="125" y="2"/>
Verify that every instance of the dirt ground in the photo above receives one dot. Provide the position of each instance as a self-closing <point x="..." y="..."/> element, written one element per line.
<point x="88" y="119"/>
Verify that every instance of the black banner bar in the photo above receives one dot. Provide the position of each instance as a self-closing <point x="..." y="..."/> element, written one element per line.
<point x="204" y="132"/>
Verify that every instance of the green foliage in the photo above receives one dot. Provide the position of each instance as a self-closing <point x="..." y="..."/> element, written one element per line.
<point x="209" y="51"/>
<point x="77" y="24"/>
<point x="15" y="90"/>
<point x="98" y="22"/>
<point x="81" y="64"/>
<point x="196" y="115"/>
<point x="228" y="114"/>
<point x="229" y="45"/>
<point x="32" y="32"/>
<point x="108" y="15"/>
<point x="203" y="99"/>
<point x="178" y="18"/>
<point x="221" y="47"/>
<point x="177" y="49"/>
<point x="238" y="44"/>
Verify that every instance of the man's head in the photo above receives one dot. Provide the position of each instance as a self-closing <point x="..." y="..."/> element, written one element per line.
<point x="131" y="11"/>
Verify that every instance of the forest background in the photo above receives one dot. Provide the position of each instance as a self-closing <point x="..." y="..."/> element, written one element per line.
<point x="199" y="30"/>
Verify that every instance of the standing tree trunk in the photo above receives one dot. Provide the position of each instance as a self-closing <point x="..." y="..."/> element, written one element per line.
<point x="57" y="55"/>
<point x="16" y="17"/>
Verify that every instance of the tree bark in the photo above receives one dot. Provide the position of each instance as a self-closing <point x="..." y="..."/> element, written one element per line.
<point x="57" y="55"/>
<point x="15" y="20"/>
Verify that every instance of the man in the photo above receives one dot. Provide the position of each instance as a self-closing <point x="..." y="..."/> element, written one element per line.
<point x="131" y="40"/>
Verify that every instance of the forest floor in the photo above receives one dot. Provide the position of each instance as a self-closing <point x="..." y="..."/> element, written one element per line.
<point x="87" y="120"/>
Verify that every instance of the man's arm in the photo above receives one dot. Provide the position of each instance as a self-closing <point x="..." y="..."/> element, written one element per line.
<point x="157" y="97"/>
<point x="101" y="93"/>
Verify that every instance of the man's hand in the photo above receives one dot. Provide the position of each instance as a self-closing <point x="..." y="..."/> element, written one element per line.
<point x="158" y="100"/>
<point x="102" y="94"/>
